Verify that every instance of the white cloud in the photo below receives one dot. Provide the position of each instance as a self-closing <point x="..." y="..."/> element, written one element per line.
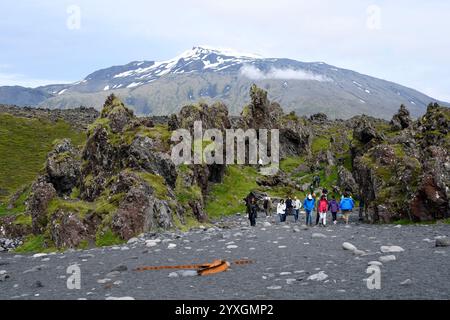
<point x="332" y="31"/>
<point x="254" y="73"/>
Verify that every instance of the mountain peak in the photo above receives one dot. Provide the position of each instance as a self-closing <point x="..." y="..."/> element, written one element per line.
<point x="206" y="49"/>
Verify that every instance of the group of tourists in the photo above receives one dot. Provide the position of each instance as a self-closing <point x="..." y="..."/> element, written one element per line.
<point x="321" y="205"/>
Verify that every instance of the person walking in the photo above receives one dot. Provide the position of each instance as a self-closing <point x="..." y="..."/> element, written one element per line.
<point x="309" y="205"/>
<point x="323" y="210"/>
<point x="253" y="212"/>
<point x="318" y="212"/>
<point x="316" y="181"/>
<point x="268" y="206"/>
<point x="361" y="209"/>
<point x="297" y="207"/>
<point x="347" y="204"/>
<point x="333" y="207"/>
<point x="248" y="202"/>
<point x="311" y="188"/>
<point x="289" y="207"/>
<point x="281" y="210"/>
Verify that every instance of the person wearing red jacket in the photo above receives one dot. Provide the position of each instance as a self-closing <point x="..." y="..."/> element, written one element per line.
<point x="323" y="209"/>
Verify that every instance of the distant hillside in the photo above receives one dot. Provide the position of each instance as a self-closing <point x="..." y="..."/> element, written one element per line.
<point x="21" y="96"/>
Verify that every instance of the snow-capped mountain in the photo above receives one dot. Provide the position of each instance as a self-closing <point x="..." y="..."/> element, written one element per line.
<point x="139" y="73"/>
<point x="206" y="73"/>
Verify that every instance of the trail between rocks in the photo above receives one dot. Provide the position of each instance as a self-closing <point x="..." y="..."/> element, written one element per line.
<point x="290" y="262"/>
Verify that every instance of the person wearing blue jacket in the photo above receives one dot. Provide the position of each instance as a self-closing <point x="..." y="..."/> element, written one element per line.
<point x="347" y="204"/>
<point x="309" y="205"/>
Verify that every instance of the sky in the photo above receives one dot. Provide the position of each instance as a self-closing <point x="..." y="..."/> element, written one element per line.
<point x="59" y="41"/>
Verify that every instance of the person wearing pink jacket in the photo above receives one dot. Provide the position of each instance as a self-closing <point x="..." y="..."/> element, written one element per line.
<point x="323" y="209"/>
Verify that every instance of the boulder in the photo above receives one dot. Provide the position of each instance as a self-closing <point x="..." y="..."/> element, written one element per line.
<point x="443" y="242"/>
<point x="67" y="229"/>
<point x="348" y="246"/>
<point x="391" y="249"/>
<point x="364" y="131"/>
<point x="143" y="155"/>
<point x="319" y="118"/>
<point x="389" y="258"/>
<point x="402" y="119"/>
<point x="321" y="276"/>
<point x="63" y="167"/>
<point x="141" y="211"/>
<point x="431" y="200"/>
<point x="119" y="116"/>
<point x="346" y="181"/>
<point x="10" y="229"/>
<point x="42" y="192"/>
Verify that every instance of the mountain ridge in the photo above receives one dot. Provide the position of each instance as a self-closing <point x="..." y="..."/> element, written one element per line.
<point x="205" y="74"/>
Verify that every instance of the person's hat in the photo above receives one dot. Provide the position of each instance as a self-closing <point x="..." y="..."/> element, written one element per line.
<point x="309" y="197"/>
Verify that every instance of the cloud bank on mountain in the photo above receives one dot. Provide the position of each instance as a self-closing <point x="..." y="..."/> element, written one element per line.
<point x="254" y="73"/>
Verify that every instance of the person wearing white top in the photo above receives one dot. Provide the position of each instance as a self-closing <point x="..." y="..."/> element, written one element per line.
<point x="297" y="207"/>
<point x="281" y="210"/>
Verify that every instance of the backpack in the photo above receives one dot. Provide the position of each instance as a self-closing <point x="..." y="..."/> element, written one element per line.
<point x="334" y="206"/>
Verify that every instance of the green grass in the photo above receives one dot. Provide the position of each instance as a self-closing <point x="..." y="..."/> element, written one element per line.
<point x="157" y="183"/>
<point x="18" y="205"/>
<point x="190" y="222"/>
<point x="100" y="122"/>
<point x="107" y="238"/>
<point x="104" y="205"/>
<point x="320" y="144"/>
<point x="283" y="192"/>
<point x="290" y="117"/>
<point x="245" y="111"/>
<point x="33" y="244"/>
<point x="288" y="165"/>
<point x="226" y="198"/>
<point x="184" y="194"/>
<point x="23" y="219"/>
<point x="406" y="222"/>
<point x="75" y="206"/>
<point x="24" y="145"/>
<point x="330" y="180"/>
<point x="348" y="162"/>
<point x="399" y="151"/>
<point x="158" y="132"/>
<point x="84" y="245"/>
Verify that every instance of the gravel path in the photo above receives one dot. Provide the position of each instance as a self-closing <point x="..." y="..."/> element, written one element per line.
<point x="290" y="263"/>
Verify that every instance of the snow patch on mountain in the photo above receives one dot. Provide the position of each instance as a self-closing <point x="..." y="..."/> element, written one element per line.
<point x="134" y="84"/>
<point x="198" y="59"/>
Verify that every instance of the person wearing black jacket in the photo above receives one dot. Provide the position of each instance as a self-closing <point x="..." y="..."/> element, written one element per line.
<point x="253" y="212"/>
<point x="289" y="207"/>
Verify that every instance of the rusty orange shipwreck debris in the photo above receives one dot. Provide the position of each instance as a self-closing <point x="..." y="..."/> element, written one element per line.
<point x="205" y="269"/>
